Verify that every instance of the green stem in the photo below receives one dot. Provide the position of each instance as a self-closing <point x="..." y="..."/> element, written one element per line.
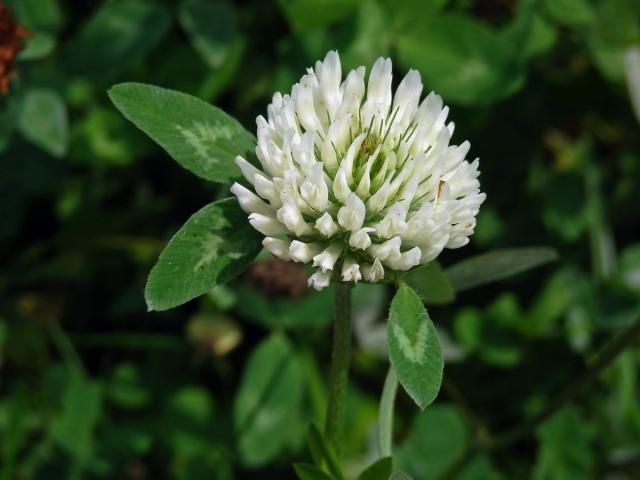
<point x="385" y="418"/>
<point x="340" y="357"/>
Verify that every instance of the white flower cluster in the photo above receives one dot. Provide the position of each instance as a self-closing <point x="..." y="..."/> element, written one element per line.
<point x="359" y="180"/>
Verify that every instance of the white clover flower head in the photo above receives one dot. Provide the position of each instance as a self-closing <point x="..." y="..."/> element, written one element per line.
<point x="359" y="181"/>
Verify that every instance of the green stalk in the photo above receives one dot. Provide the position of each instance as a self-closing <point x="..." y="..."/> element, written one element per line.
<point x="340" y="358"/>
<point x="385" y="416"/>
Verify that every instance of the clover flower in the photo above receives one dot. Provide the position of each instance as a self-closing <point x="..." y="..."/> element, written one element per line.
<point x="359" y="181"/>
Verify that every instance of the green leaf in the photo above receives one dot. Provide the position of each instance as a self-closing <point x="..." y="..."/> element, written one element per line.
<point x="460" y="58"/>
<point x="565" y="450"/>
<point x="305" y="15"/>
<point x="74" y="427"/>
<point x="368" y="44"/>
<point x="570" y="12"/>
<point x="435" y="441"/>
<point x="39" y="15"/>
<point x="403" y="13"/>
<point x="312" y="310"/>
<point x="322" y="452"/>
<point x="480" y="468"/>
<point x="211" y="28"/>
<point x="431" y="284"/>
<point x="117" y="35"/>
<point x="38" y="46"/>
<point x="400" y="476"/>
<point x="414" y="348"/>
<point x="215" y="245"/>
<point x="616" y="27"/>
<point x="199" y="136"/>
<point x="44" y="121"/>
<point x="497" y="265"/>
<point x="529" y="32"/>
<point x="306" y="471"/>
<point x="269" y="396"/>
<point x="380" y="470"/>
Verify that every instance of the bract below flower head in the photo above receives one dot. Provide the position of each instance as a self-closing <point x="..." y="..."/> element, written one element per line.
<point x="356" y="180"/>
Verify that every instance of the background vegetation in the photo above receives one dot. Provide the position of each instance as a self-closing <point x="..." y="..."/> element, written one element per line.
<point x="93" y="386"/>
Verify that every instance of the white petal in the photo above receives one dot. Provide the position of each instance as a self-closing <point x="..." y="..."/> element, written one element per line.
<point x="303" y="252"/>
<point x="314" y="189"/>
<point x="378" y="200"/>
<point x="341" y="188"/>
<point x="379" y="87"/>
<point x="327" y="258"/>
<point x="319" y="280"/>
<point x="373" y="273"/>
<point x="248" y="170"/>
<point x="326" y="226"/>
<point x="267" y="225"/>
<point x="266" y="189"/>
<point x="407" y="260"/>
<point x="249" y="201"/>
<point x="277" y="247"/>
<point x="329" y="78"/>
<point x="393" y="222"/>
<point x="389" y="249"/>
<point x="351" y="270"/>
<point x="290" y="215"/>
<point x="302" y="94"/>
<point x="360" y="239"/>
<point x="352" y="92"/>
<point x="351" y="215"/>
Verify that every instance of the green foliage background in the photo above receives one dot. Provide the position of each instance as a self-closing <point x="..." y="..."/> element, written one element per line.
<point x="93" y="386"/>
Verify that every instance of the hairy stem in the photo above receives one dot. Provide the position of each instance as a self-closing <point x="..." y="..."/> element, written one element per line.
<point x="340" y="358"/>
<point x="385" y="418"/>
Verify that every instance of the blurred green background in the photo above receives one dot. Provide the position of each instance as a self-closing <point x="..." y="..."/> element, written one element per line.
<point x="92" y="386"/>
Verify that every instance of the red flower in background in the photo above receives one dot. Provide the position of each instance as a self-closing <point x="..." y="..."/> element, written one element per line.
<point x="11" y="35"/>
